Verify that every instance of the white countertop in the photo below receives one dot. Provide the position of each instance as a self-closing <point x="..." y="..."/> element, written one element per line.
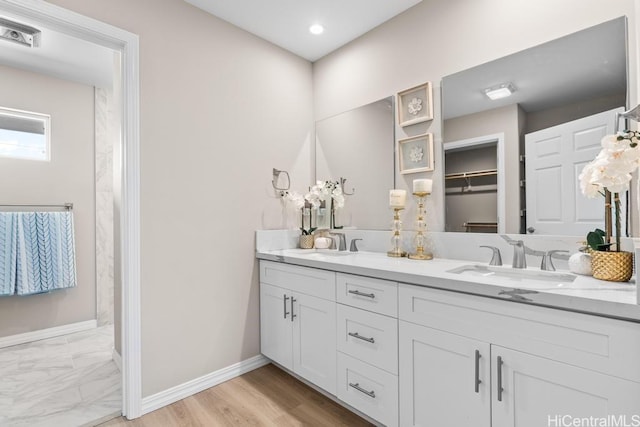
<point x="584" y="294"/>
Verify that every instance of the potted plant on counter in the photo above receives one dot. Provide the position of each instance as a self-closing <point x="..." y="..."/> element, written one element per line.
<point x="609" y="175"/>
<point x="299" y="202"/>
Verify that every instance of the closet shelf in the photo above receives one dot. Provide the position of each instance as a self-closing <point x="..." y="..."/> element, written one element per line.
<point x="471" y="174"/>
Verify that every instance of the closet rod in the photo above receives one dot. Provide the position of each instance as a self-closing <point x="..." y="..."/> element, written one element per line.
<point x="67" y="206"/>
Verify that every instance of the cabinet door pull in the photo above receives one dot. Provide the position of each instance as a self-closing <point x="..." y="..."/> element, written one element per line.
<point x="360" y="337"/>
<point x="500" y="389"/>
<point x="362" y="294"/>
<point x="293" y="316"/>
<point x="478" y="381"/>
<point x="284" y="300"/>
<point x="361" y="390"/>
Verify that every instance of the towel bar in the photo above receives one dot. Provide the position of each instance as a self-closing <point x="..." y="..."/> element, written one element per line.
<point x="66" y="206"/>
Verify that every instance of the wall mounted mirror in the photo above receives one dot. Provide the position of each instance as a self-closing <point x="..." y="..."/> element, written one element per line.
<point x="569" y="88"/>
<point x="358" y="145"/>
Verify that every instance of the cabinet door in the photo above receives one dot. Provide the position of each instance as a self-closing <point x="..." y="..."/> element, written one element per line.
<point x="539" y="392"/>
<point x="314" y="340"/>
<point x="276" y="325"/>
<point x="444" y="379"/>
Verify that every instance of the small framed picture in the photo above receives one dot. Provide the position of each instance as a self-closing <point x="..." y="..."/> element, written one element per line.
<point x="416" y="154"/>
<point x="415" y="105"/>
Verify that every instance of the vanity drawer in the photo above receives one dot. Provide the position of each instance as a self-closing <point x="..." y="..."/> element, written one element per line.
<point x="596" y="343"/>
<point x="310" y="281"/>
<point x="370" y="390"/>
<point x="368" y="336"/>
<point x="380" y="296"/>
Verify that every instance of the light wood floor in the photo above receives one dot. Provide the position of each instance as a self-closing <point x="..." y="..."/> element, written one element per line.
<point x="264" y="397"/>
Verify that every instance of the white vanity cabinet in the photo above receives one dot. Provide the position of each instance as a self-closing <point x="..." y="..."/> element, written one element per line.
<point x="468" y="360"/>
<point x="367" y="342"/>
<point x="298" y="321"/>
<point x="412" y="355"/>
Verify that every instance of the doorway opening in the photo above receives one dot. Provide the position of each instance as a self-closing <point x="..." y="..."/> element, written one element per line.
<point x="127" y="214"/>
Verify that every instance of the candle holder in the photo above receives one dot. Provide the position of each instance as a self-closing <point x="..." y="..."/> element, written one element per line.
<point x="396" y="242"/>
<point x="421" y="226"/>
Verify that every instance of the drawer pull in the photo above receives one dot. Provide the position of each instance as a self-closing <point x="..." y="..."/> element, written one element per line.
<point x="285" y="299"/>
<point x="362" y="294"/>
<point x="361" y="390"/>
<point x="477" y="379"/>
<point x="500" y="389"/>
<point x="360" y="337"/>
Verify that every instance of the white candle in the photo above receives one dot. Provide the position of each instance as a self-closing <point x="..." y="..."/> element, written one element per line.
<point x="422" y="185"/>
<point x="397" y="198"/>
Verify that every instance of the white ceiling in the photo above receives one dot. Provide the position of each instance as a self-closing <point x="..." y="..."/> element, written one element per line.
<point x="585" y="65"/>
<point x="286" y="22"/>
<point x="61" y="56"/>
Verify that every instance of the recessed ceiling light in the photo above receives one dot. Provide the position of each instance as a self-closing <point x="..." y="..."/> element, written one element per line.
<point x="316" y="29"/>
<point x="501" y="91"/>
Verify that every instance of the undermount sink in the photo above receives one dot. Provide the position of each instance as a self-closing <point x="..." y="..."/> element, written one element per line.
<point x="321" y="252"/>
<point x="330" y="252"/>
<point x="515" y="274"/>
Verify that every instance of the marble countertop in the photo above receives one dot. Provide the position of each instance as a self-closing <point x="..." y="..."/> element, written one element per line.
<point x="584" y="294"/>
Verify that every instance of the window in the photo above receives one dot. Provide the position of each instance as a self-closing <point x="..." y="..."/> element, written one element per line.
<point x="24" y="135"/>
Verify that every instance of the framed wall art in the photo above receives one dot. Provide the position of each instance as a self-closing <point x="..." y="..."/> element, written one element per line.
<point x="416" y="154"/>
<point x="415" y="105"/>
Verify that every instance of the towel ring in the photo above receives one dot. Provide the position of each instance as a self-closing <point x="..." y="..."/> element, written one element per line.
<point x="342" y="181"/>
<point x="276" y="175"/>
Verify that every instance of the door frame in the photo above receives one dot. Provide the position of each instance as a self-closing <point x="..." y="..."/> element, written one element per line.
<point x="498" y="139"/>
<point x="74" y="24"/>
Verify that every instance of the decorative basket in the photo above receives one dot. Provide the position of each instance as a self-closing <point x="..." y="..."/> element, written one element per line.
<point x="306" y="241"/>
<point x="612" y="266"/>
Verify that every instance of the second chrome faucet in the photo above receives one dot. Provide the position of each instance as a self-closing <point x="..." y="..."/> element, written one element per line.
<point x="519" y="257"/>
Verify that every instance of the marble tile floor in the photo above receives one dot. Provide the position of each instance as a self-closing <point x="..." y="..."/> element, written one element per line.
<point x="67" y="381"/>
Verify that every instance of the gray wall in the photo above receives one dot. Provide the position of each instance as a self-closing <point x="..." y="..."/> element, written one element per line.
<point x="219" y="108"/>
<point x="436" y="38"/>
<point x="68" y="177"/>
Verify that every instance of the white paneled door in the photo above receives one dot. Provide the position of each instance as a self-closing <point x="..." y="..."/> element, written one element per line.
<point x="314" y="340"/>
<point x="535" y="392"/>
<point x="554" y="160"/>
<point x="444" y="379"/>
<point x="276" y="339"/>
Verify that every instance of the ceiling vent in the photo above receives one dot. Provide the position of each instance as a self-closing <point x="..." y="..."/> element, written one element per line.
<point x="19" y="33"/>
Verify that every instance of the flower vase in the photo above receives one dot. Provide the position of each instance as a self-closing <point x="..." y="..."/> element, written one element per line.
<point x="612" y="266"/>
<point x="306" y="241"/>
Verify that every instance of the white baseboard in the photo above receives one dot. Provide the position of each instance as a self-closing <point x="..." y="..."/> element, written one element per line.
<point x="179" y="392"/>
<point x="117" y="359"/>
<point x="44" y="334"/>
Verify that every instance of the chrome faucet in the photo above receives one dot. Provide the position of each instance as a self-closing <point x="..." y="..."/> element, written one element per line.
<point x="342" y="246"/>
<point x="547" y="262"/>
<point x="354" y="246"/>
<point x="496" y="258"/>
<point x="519" y="258"/>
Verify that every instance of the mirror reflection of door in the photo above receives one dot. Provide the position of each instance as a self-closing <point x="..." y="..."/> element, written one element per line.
<point x="554" y="159"/>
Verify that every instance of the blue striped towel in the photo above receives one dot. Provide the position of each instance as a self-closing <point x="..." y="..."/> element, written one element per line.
<point x="45" y="252"/>
<point x="7" y="253"/>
